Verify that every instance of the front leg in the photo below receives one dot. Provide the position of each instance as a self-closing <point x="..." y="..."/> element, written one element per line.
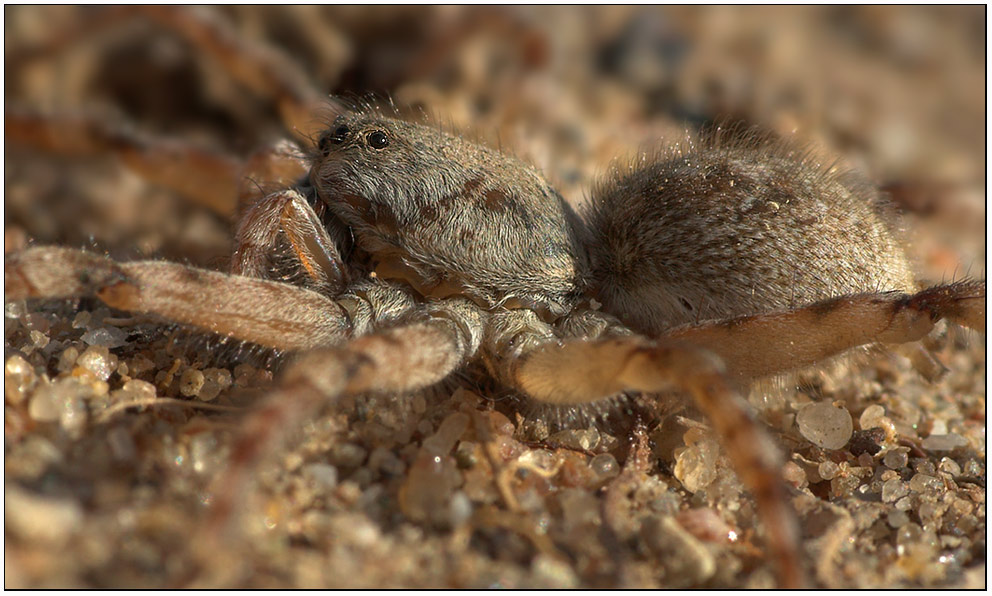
<point x="267" y="313"/>
<point x="420" y="347"/>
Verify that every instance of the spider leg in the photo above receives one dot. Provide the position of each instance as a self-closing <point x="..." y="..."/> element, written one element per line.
<point x="580" y="371"/>
<point x="269" y="313"/>
<point x="423" y="348"/>
<point x="288" y="213"/>
<point x="764" y="345"/>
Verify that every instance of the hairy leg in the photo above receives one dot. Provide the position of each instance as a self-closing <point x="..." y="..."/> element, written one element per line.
<point x="423" y="348"/>
<point x="765" y="345"/>
<point x="268" y="313"/>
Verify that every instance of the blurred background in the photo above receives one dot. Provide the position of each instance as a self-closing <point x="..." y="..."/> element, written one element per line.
<point x="896" y="92"/>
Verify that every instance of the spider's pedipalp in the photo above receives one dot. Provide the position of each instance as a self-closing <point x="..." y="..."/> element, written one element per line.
<point x="289" y="214"/>
<point x="269" y="313"/>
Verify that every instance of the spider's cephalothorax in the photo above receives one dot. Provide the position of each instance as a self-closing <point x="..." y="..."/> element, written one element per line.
<point x="448" y="216"/>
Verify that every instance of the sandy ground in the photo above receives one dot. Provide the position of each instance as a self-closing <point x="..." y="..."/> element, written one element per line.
<point x="452" y="489"/>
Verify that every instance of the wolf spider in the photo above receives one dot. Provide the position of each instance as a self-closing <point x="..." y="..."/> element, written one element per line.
<point x="404" y="255"/>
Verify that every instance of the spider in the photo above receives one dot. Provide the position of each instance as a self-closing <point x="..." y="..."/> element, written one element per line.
<point x="405" y="254"/>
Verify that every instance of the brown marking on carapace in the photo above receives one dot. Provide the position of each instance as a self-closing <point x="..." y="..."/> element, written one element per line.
<point x="472" y="185"/>
<point x="495" y="200"/>
<point x="378" y="216"/>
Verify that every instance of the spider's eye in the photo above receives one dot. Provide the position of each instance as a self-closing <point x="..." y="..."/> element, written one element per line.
<point x="377" y="139"/>
<point x="338" y="136"/>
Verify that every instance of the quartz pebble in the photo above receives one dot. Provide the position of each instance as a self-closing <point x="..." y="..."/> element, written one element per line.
<point x="893" y="490"/>
<point x="825" y="425"/>
<point x="443" y="441"/>
<point x="926" y="485"/>
<point x="695" y="465"/>
<point x="949" y="466"/>
<point x="828" y="470"/>
<point x="191" y="382"/>
<point x="871" y="417"/>
<point x="44" y="405"/>
<point x="948" y="442"/>
<point x="108" y="337"/>
<point x="215" y="380"/>
<point x="550" y="573"/>
<point x="585" y="439"/>
<point x="321" y="475"/>
<point x="896" y="458"/>
<point x="605" y="466"/>
<point x="44" y="519"/>
<point x="135" y="390"/>
<point x="99" y="361"/>
<point x="18" y="379"/>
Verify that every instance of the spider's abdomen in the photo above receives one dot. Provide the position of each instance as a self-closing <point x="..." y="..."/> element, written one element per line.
<point x="722" y="232"/>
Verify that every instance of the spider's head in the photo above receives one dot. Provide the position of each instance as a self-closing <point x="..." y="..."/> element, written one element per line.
<point x="449" y="216"/>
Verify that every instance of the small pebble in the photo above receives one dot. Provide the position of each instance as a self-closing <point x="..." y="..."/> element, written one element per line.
<point x="605" y="466"/>
<point x="825" y="425"/>
<point x="828" y="470"/>
<point x="82" y="319"/>
<point x="949" y="466"/>
<point x="585" y="439"/>
<point x="948" y="442"/>
<point x="191" y="382"/>
<point x="867" y="442"/>
<point x="108" y="337"/>
<point x="443" y="441"/>
<point x="893" y="490"/>
<point x="973" y="469"/>
<point x="18" y="379"/>
<point x="15" y="309"/>
<point x="794" y="474"/>
<point x="550" y="573"/>
<point x="926" y="485"/>
<point x="38" y="340"/>
<point x="695" y="465"/>
<point x="321" y="475"/>
<point x="897" y="519"/>
<point x="135" y="390"/>
<point x="215" y="380"/>
<point x="896" y="459"/>
<point x="74" y="415"/>
<point x="459" y="509"/>
<point x="99" y="361"/>
<point x="45" y="406"/>
<point x="385" y="461"/>
<point x="41" y="519"/>
<point x="67" y="359"/>
<point x="872" y="417"/>
<point x="348" y="455"/>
